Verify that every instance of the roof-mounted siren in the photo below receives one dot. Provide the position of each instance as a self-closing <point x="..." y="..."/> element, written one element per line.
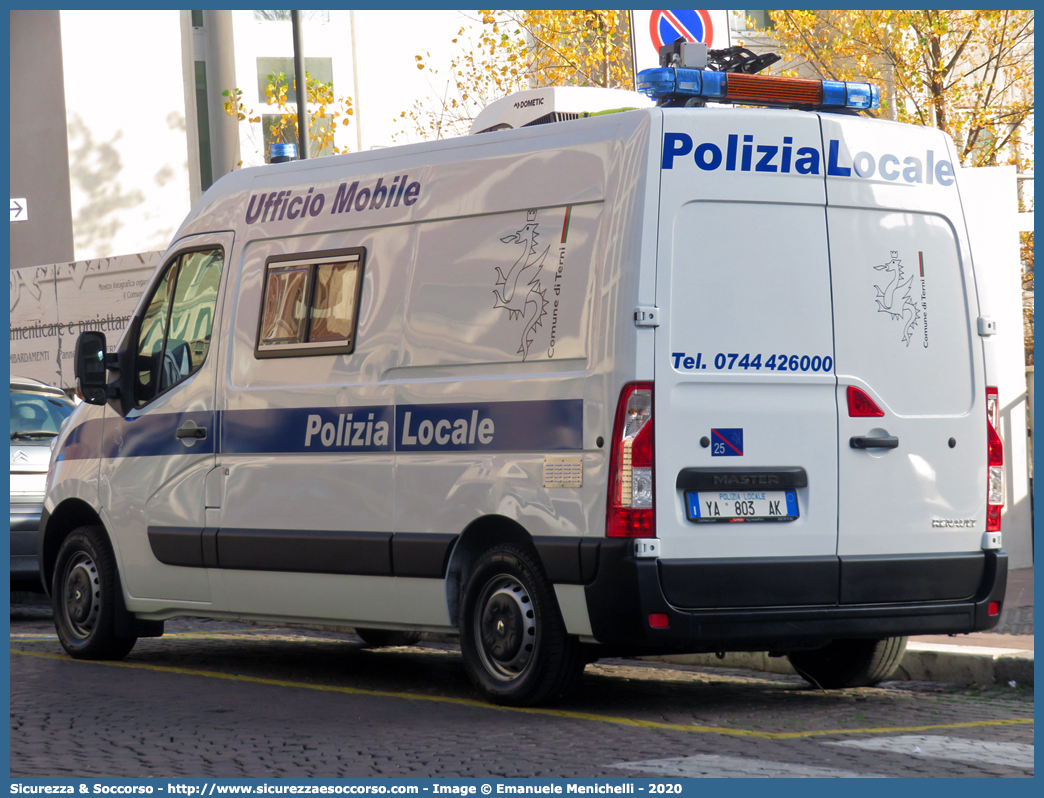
<point x="553" y="104"/>
<point x="691" y="75"/>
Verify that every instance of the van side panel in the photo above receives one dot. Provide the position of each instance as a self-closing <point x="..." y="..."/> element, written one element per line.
<point x="496" y="315"/>
<point x="474" y="336"/>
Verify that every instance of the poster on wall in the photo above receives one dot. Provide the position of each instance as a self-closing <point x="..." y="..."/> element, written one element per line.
<point x="654" y="29"/>
<point x="51" y="305"/>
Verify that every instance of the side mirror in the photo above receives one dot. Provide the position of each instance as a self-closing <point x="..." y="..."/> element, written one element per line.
<point x="89" y="367"/>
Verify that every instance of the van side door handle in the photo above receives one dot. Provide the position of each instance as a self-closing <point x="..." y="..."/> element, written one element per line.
<point x="191" y="432"/>
<point x="866" y="442"/>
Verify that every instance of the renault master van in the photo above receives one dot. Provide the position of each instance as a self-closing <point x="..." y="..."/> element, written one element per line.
<point x="680" y="378"/>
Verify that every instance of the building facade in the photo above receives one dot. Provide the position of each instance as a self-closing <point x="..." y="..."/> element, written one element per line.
<point x="118" y="122"/>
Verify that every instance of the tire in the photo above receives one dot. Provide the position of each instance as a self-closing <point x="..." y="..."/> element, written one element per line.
<point x="379" y="638"/>
<point x="512" y="635"/>
<point x="83" y="596"/>
<point x="849" y="663"/>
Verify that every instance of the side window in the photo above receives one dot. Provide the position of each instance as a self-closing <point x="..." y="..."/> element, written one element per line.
<point x="150" y="339"/>
<point x="311" y="305"/>
<point x="177" y="325"/>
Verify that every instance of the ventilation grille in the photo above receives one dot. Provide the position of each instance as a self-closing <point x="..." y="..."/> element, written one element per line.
<point x="554" y="116"/>
<point x="564" y="472"/>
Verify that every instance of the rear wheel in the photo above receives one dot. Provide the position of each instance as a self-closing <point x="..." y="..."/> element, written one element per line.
<point x="83" y="596"/>
<point x="512" y="635"/>
<point x="387" y="637"/>
<point x="849" y="663"/>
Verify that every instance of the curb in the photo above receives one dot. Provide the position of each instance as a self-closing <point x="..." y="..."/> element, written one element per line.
<point x="966" y="664"/>
<point x="922" y="662"/>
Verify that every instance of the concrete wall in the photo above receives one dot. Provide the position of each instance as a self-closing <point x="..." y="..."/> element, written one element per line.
<point x="39" y="152"/>
<point x="127" y="130"/>
<point x="51" y="305"/>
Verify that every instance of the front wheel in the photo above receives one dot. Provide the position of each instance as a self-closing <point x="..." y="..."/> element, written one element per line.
<point x="849" y="663"/>
<point x="512" y="635"/>
<point x="83" y="596"/>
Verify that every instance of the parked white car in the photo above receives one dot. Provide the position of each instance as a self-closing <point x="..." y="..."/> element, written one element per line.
<point x="37" y="413"/>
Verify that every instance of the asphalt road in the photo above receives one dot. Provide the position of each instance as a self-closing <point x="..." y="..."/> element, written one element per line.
<point x="222" y="699"/>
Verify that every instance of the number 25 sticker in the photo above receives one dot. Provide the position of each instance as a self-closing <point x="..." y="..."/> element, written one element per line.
<point x="727" y="442"/>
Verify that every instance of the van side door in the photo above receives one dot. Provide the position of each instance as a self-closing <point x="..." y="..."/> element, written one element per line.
<point x="155" y="460"/>
<point x="306" y="448"/>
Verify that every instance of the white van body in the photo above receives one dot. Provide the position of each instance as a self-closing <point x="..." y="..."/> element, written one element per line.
<point x="751" y="264"/>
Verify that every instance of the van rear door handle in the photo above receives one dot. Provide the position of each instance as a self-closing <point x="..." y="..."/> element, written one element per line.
<point x="865" y="442"/>
<point x="191" y="432"/>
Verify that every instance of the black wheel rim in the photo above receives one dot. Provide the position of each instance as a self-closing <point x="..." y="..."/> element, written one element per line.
<point x="81" y="596"/>
<point x="505" y="626"/>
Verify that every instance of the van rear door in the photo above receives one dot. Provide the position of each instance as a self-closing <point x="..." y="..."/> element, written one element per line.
<point x="744" y="409"/>
<point x="911" y="518"/>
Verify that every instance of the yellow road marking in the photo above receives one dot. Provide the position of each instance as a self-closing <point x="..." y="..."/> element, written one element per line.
<point x="557" y="713"/>
<point x="235" y="634"/>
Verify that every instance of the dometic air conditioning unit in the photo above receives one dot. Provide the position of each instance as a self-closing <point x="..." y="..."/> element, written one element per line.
<point x="554" y="104"/>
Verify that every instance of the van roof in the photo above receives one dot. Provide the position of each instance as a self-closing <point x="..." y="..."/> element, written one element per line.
<point x="224" y="204"/>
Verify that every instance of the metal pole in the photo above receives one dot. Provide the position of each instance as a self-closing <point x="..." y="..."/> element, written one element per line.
<point x="221" y="75"/>
<point x="355" y="78"/>
<point x="302" y="86"/>
<point x="634" y="60"/>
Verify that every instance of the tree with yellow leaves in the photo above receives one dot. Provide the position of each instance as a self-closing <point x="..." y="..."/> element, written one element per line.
<point x="325" y="113"/>
<point x="969" y="73"/>
<point x="577" y="48"/>
<point x="507" y="51"/>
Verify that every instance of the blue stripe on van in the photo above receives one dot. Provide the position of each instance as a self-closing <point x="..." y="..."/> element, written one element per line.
<point x="548" y="425"/>
<point x="307" y="429"/>
<point x="552" y="424"/>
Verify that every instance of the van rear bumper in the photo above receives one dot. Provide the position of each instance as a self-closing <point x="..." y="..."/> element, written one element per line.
<point x="627" y="590"/>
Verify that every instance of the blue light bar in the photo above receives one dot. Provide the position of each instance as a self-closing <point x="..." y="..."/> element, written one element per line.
<point x="835" y="94"/>
<point x="664" y="81"/>
<point x="715" y="85"/>
<point x="862" y="95"/>
<point x="704" y="84"/>
<point x="659" y="82"/>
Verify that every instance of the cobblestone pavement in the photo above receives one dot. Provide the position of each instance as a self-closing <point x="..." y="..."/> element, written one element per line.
<point x="223" y="699"/>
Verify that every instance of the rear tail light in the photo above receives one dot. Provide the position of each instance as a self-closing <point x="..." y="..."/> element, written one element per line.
<point x="862" y="406"/>
<point x="630" y="512"/>
<point x="994" y="462"/>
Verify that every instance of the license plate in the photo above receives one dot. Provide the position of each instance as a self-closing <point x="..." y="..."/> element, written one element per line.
<point x="707" y="507"/>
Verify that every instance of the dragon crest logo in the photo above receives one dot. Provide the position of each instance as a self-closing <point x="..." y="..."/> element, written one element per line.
<point x="518" y="290"/>
<point x="896" y="298"/>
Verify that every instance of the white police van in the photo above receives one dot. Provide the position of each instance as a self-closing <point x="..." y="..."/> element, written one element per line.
<point x="673" y="379"/>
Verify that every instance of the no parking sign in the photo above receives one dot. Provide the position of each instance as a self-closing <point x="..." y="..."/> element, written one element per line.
<point x="654" y="29"/>
<point x="694" y="26"/>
